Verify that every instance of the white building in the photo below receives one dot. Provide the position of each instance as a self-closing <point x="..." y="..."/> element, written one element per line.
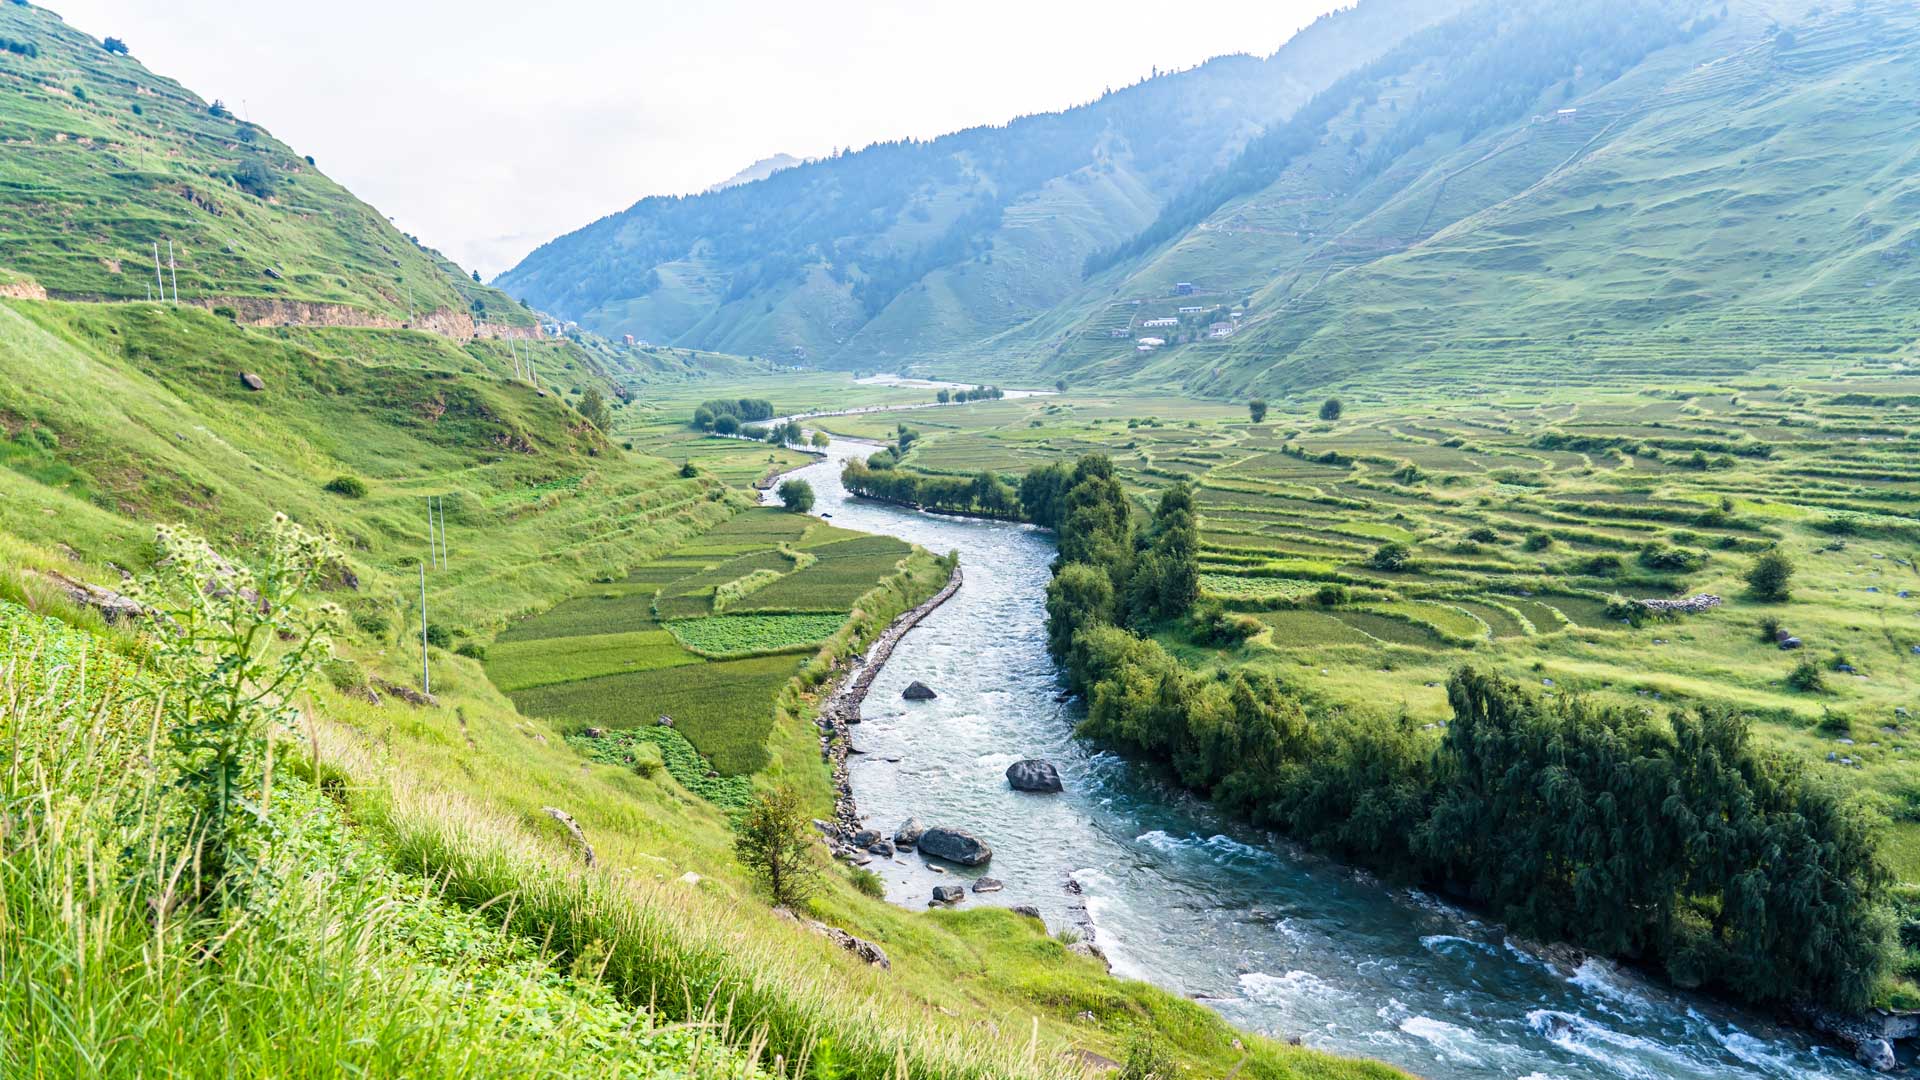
<point x="1148" y="344"/>
<point x="1155" y="324"/>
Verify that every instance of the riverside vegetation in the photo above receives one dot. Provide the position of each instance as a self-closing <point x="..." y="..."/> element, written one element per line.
<point x="1683" y="799"/>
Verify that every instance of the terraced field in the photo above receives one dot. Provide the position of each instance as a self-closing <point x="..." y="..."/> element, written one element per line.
<point x="1531" y="523"/>
<point x="708" y="635"/>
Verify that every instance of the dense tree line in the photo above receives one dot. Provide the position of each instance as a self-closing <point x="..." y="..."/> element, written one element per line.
<point x="742" y="411"/>
<point x="985" y="493"/>
<point x="1671" y="839"/>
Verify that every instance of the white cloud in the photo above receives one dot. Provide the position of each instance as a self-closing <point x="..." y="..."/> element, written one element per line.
<point x="486" y="127"/>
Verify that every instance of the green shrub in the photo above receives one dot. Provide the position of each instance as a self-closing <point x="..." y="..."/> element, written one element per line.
<point x="1807" y="677"/>
<point x="1392" y="555"/>
<point x="351" y="487"/>
<point x="472" y="650"/>
<point x="1770" y="578"/>
<point x="372" y="622"/>
<point x="647" y="760"/>
<point x="1537" y="540"/>
<point x="867" y="882"/>
<point x="439" y="636"/>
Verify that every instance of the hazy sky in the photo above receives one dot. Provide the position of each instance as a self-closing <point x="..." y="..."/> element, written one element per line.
<point x="486" y="127"/>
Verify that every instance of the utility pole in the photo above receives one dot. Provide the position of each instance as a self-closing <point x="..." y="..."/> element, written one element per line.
<point x="426" y="673"/>
<point x="157" y="276"/>
<point x="441" y="502"/>
<point x="174" y="269"/>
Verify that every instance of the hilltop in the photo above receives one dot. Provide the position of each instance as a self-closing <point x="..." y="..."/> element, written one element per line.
<point x="106" y="159"/>
<point x="1676" y="190"/>
<point x="880" y="256"/>
<point x="1405" y="195"/>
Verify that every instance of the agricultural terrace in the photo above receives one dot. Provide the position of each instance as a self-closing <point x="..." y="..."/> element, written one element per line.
<point x="1379" y="550"/>
<point x="708" y="635"/>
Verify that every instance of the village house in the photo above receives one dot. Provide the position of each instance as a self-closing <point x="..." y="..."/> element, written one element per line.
<point x="1148" y="344"/>
<point x="1220" y="330"/>
<point x="1192" y="309"/>
<point x="1163" y="321"/>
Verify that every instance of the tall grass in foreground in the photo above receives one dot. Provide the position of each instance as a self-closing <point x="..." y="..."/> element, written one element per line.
<point x="331" y="964"/>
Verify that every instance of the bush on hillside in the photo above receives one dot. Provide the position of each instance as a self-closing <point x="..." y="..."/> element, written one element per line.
<point x="774" y="841"/>
<point x="439" y="636"/>
<point x="351" y="487"/>
<point x="1806" y="677"/>
<point x="1391" y="556"/>
<point x="1331" y="409"/>
<point x="1770" y="578"/>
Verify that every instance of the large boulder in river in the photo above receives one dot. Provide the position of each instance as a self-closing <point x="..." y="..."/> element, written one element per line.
<point x="1033" y="775"/>
<point x="909" y="832"/>
<point x="918" y="691"/>
<point x="955" y="845"/>
<point x="948" y="894"/>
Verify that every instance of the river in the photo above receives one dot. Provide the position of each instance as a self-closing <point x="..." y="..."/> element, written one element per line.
<point x="1275" y="940"/>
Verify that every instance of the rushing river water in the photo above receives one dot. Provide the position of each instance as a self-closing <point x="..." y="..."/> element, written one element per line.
<point x="1178" y="895"/>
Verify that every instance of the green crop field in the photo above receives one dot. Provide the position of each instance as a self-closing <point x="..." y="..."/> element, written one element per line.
<point x="683" y="634"/>
<point x="740" y="635"/>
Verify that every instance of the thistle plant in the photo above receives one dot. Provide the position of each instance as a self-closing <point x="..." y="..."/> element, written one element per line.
<point x="231" y="648"/>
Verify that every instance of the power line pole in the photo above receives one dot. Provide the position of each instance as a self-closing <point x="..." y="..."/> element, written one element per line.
<point x="441" y="502"/>
<point x="426" y="673"/>
<point x="158" y="278"/>
<point x="174" y="269"/>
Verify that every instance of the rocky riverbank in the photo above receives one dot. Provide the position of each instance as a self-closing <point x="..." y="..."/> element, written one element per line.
<point x="842" y="708"/>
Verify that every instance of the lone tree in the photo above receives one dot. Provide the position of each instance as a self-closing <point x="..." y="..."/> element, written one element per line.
<point x="822" y="440"/>
<point x="796" y="496"/>
<point x="115" y="46"/>
<point x="1257" y="410"/>
<point x="1770" y="577"/>
<point x="1331" y="409"/>
<point x="593" y="406"/>
<point x="774" y="841"/>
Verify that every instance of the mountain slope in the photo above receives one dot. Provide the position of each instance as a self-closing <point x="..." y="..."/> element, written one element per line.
<point x="1733" y="199"/>
<point x="878" y="256"/>
<point x="105" y="159"/>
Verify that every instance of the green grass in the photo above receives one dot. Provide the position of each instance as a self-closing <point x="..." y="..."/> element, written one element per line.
<point x="845" y="570"/>
<point x="740" y="635"/>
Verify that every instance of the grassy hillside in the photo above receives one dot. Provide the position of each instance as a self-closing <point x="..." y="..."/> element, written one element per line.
<point x="874" y="258"/>
<point x="1727" y="202"/>
<point x="105" y="158"/>
<point x="431" y="813"/>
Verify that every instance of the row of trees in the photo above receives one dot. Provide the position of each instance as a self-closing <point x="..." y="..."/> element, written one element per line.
<point x="984" y="493"/>
<point x="1665" y="838"/>
<point x="709" y="415"/>
<point x="978" y="393"/>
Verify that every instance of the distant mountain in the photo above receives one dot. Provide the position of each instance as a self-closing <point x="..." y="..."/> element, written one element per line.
<point x="105" y="159"/>
<point x="1536" y="194"/>
<point x="759" y="170"/>
<point x="905" y="249"/>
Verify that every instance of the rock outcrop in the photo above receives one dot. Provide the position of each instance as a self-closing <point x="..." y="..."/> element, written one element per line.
<point x="112" y="606"/>
<point x="918" y="691"/>
<point x="948" y="894"/>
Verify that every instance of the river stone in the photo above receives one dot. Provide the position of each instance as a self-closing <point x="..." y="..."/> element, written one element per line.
<point x="955" y="845"/>
<point x="251" y="381"/>
<point x="909" y="832"/>
<point x="881" y="848"/>
<point x="918" y="691"/>
<point x="987" y="884"/>
<point x="1876" y="1054"/>
<point x="1028" y="910"/>
<point x="866" y="838"/>
<point x="1033" y="775"/>
<point x="948" y="894"/>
